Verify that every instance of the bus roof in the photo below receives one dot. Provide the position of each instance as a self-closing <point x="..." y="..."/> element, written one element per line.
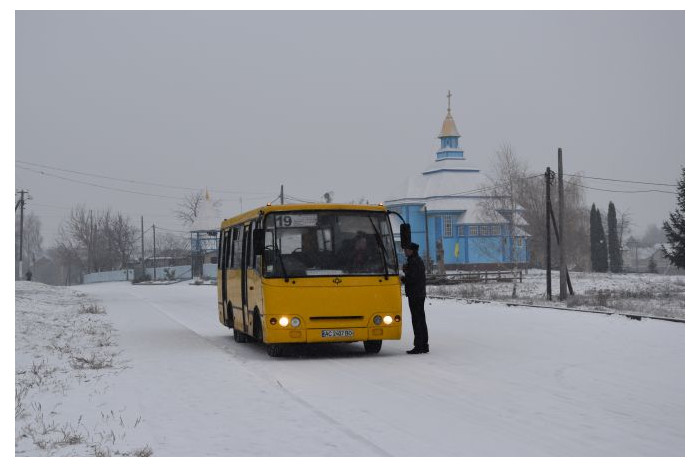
<point x="254" y="213"/>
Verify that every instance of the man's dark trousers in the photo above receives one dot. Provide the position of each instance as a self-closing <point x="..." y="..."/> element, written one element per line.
<point x="420" y="328"/>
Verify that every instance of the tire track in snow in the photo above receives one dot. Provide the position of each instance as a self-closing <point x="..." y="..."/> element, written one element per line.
<point x="262" y="375"/>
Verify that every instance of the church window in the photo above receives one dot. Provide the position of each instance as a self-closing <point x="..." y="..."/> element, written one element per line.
<point x="460" y="231"/>
<point x="447" y="225"/>
<point x="495" y="230"/>
<point x="473" y="230"/>
<point x="484" y="230"/>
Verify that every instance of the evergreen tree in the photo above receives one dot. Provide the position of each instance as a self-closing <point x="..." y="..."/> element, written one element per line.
<point x="599" y="247"/>
<point x="603" y="253"/>
<point x="675" y="228"/>
<point x="613" y="240"/>
<point x="594" y="240"/>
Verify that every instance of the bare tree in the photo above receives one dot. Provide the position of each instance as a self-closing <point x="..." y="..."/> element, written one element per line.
<point x="175" y="246"/>
<point x="121" y="235"/>
<point x="503" y="202"/>
<point x="532" y="198"/>
<point x="102" y="240"/>
<point x="32" y="242"/>
<point x="190" y="207"/>
<point x="577" y="226"/>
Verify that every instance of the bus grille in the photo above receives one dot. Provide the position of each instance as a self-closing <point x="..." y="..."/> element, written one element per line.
<point x="324" y="318"/>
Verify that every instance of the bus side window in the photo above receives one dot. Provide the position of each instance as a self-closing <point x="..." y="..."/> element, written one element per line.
<point x="230" y="246"/>
<point x="221" y="249"/>
<point x="224" y="248"/>
<point x="237" y="248"/>
<point x="251" y="253"/>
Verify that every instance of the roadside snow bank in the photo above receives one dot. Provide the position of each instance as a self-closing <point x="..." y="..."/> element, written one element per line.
<point x="66" y="357"/>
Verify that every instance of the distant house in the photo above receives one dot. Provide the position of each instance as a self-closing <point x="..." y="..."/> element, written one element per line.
<point x="444" y="206"/>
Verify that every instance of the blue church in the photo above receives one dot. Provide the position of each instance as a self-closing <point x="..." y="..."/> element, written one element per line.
<point x="448" y="215"/>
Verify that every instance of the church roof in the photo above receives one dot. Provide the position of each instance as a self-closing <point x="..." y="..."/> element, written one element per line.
<point x="441" y="178"/>
<point x="449" y="128"/>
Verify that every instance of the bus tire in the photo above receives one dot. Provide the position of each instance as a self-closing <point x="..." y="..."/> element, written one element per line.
<point x="372" y="346"/>
<point x="228" y="319"/>
<point x="275" y="350"/>
<point x="257" y="327"/>
<point x="239" y="337"/>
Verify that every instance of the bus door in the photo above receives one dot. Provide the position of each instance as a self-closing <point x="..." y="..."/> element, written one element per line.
<point x="246" y="245"/>
<point x="224" y="255"/>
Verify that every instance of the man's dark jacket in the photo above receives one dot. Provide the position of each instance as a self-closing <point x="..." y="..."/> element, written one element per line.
<point x="415" y="276"/>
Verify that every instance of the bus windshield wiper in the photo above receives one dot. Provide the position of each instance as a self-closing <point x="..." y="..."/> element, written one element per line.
<point x="378" y="236"/>
<point x="284" y="270"/>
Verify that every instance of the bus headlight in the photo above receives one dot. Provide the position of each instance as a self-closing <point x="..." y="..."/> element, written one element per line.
<point x="388" y="319"/>
<point x="284" y="321"/>
<point x="377" y="320"/>
<point x="296" y="322"/>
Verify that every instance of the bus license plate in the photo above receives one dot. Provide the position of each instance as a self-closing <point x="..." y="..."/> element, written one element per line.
<point x="337" y="333"/>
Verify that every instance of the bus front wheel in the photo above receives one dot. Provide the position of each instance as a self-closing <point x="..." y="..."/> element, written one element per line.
<point x="275" y="350"/>
<point x="372" y="346"/>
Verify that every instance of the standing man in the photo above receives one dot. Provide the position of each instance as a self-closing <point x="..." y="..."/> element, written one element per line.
<point x="414" y="280"/>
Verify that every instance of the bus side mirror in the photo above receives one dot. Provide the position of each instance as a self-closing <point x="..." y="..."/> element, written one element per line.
<point x="258" y="241"/>
<point x="405" y="230"/>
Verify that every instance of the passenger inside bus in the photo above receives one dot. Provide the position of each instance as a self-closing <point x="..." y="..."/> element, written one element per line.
<point x="328" y="247"/>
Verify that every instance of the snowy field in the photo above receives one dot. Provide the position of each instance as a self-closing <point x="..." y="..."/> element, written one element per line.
<point x="634" y="293"/>
<point x="115" y="369"/>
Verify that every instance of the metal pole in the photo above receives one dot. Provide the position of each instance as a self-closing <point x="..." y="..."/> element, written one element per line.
<point x="21" y="230"/>
<point x="548" y="179"/>
<point x="282" y="194"/>
<point x="562" y="249"/>
<point x="143" y="254"/>
<point x="154" y="252"/>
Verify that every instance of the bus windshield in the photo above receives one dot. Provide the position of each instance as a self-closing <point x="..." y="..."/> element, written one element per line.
<point x="328" y="243"/>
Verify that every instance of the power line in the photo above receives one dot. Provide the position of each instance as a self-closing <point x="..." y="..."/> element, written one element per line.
<point x="486" y="189"/>
<point x="173" y="230"/>
<point x="299" y="199"/>
<point x="41" y="172"/>
<point x="126" y="180"/>
<point x="621" y="191"/>
<point x="622" y="181"/>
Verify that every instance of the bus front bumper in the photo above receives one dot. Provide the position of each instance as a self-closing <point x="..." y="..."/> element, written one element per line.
<point x="280" y="336"/>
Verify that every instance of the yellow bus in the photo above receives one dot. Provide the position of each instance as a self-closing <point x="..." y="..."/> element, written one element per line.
<point x="310" y="273"/>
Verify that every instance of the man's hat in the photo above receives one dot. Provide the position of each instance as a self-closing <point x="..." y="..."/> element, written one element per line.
<point x="413" y="246"/>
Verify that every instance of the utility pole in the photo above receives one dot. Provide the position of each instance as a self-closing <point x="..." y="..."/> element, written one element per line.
<point x="562" y="248"/>
<point x="21" y="227"/>
<point x="154" y="252"/>
<point x="556" y="235"/>
<point x="143" y="254"/>
<point x="282" y="194"/>
<point x="548" y="183"/>
<point x="89" y="247"/>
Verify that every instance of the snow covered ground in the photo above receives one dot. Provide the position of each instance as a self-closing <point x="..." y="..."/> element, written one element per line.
<point x="635" y="293"/>
<point x="156" y="374"/>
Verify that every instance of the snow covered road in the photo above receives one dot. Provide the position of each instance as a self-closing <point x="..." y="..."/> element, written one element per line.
<point x="498" y="381"/>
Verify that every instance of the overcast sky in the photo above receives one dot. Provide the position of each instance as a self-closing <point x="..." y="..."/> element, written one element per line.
<point x="349" y="102"/>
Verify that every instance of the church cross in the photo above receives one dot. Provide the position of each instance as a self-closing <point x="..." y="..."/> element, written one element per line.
<point x="449" y="96"/>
